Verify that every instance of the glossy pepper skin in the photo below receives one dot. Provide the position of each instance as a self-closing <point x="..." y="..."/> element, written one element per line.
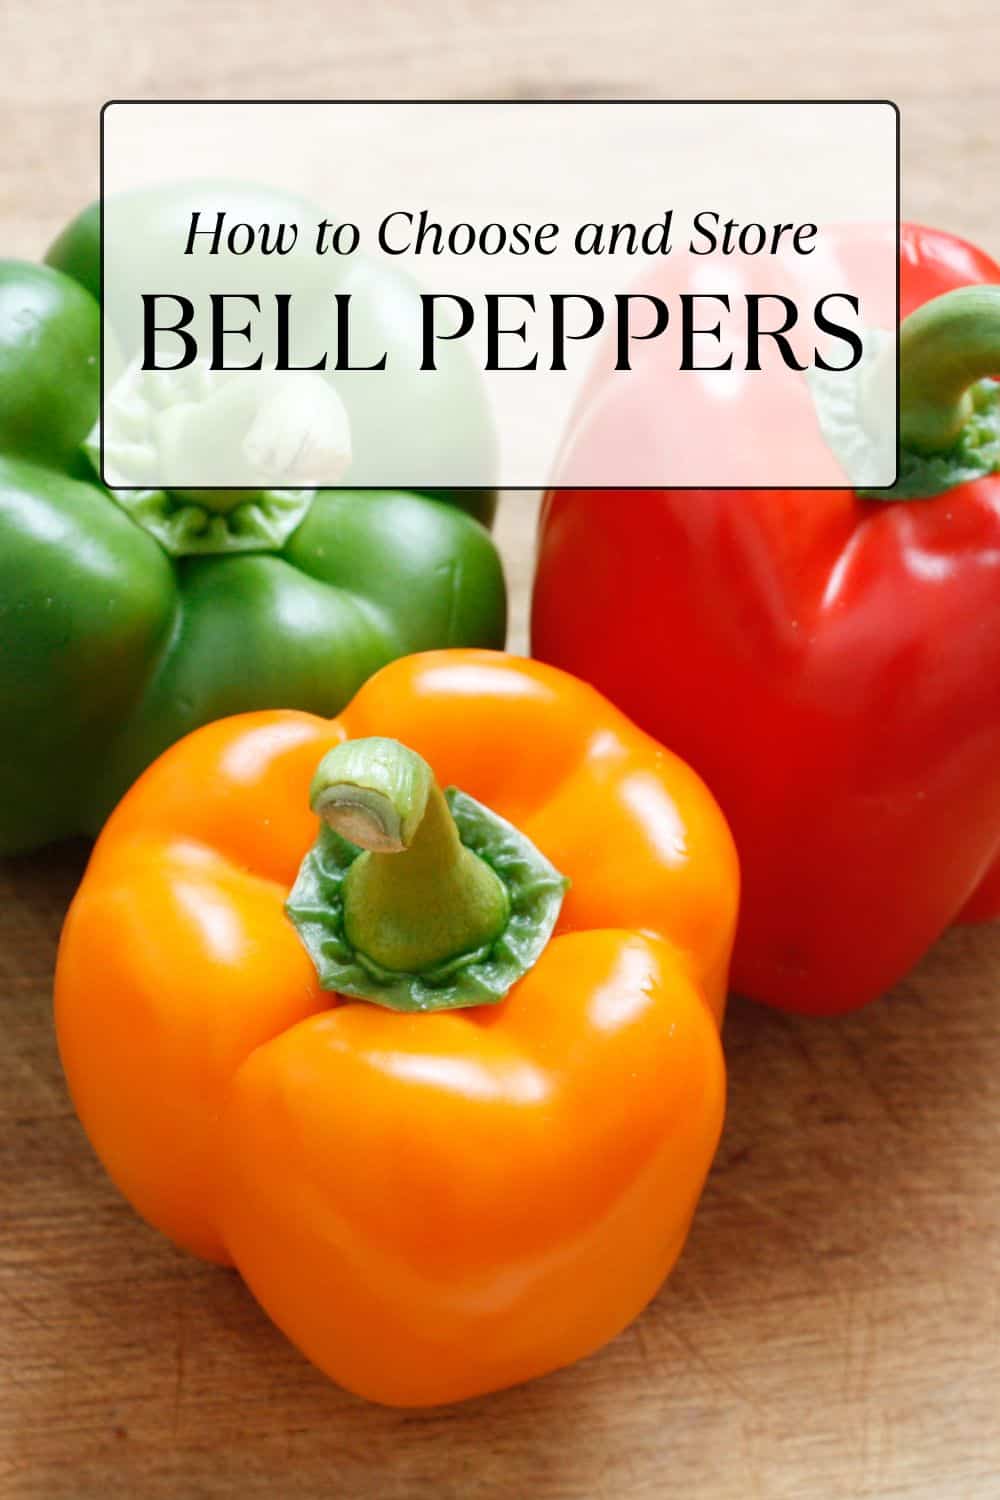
<point x="431" y="1206"/>
<point x="831" y="666"/>
<point x="111" y="649"/>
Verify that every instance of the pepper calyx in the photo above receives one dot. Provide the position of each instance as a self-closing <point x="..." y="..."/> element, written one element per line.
<point x="227" y="429"/>
<point x="949" y="402"/>
<point x="443" y="911"/>
<point x="975" y="455"/>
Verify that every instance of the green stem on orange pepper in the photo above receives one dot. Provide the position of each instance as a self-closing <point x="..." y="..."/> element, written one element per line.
<point x="417" y="896"/>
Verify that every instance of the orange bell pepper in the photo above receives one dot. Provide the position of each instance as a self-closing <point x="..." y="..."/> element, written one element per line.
<point x="430" y="1205"/>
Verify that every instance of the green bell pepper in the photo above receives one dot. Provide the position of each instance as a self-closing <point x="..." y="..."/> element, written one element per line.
<point x="128" y="619"/>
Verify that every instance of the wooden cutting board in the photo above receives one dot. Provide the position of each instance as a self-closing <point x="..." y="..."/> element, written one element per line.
<point x="833" y="1329"/>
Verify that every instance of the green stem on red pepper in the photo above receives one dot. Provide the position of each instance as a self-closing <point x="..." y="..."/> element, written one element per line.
<point x="949" y="407"/>
<point x="946" y="347"/>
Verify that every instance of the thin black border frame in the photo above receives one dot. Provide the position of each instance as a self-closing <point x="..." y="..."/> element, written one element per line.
<point x="531" y="489"/>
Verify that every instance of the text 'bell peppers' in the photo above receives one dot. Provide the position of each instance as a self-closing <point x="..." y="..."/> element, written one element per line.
<point x="486" y="1173"/>
<point x="828" y="661"/>
<point x="130" y="617"/>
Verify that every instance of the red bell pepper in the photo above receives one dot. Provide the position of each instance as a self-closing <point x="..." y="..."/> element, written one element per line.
<point x="829" y="663"/>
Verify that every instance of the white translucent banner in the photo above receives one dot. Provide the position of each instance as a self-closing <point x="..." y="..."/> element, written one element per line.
<point x="463" y="295"/>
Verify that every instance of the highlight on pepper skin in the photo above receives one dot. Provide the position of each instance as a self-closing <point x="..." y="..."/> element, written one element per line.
<point x="431" y="1202"/>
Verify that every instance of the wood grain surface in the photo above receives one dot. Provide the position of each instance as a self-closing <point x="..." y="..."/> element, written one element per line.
<point x="833" y="1329"/>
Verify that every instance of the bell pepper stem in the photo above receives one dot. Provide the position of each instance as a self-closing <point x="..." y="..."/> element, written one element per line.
<point x="293" y="429"/>
<point x="945" y="347"/>
<point x="239" y="433"/>
<point x="417" y="897"/>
